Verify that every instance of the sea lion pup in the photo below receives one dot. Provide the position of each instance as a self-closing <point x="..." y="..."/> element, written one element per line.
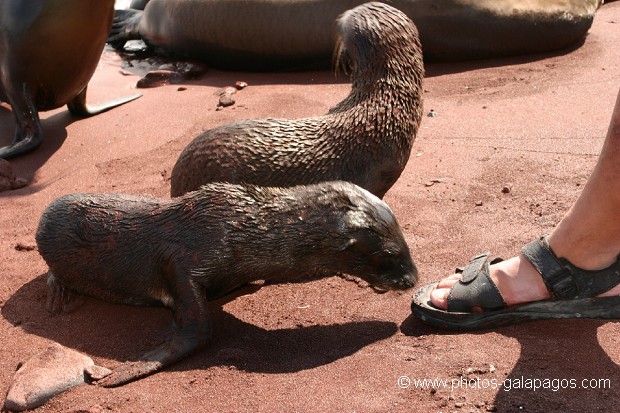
<point x="184" y="251"/>
<point x="49" y="50"/>
<point x="365" y="139"/>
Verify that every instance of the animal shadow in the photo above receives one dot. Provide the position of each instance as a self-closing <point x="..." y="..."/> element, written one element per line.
<point x="54" y="135"/>
<point x="124" y="333"/>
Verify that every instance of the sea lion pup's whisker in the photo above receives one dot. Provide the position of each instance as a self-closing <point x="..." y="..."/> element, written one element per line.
<point x="365" y="139"/>
<point x="184" y="251"/>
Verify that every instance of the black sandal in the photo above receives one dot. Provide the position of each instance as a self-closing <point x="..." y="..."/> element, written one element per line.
<point x="573" y="293"/>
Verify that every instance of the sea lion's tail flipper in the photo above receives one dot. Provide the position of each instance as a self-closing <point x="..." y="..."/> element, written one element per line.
<point x="126" y="26"/>
<point x="78" y="106"/>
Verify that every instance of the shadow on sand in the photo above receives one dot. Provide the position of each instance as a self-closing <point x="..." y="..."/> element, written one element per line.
<point x="124" y="333"/>
<point x="581" y="376"/>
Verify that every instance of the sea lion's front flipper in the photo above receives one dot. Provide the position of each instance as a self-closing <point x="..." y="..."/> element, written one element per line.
<point x="28" y="134"/>
<point x="192" y="331"/>
<point x="79" y="107"/>
<point x="60" y="299"/>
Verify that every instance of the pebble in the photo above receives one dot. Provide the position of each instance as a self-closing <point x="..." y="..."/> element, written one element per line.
<point x="156" y="78"/>
<point x="226" y="100"/>
<point x="51" y="372"/>
<point x="8" y="180"/>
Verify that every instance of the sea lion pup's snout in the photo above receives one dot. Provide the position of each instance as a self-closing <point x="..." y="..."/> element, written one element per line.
<point x="375" y="248"/>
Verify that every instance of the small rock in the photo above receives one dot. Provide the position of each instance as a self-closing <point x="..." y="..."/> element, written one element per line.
<point x="8" y="180"/>
<point x="181" y="88"/>
<point x="156" y="78"/>
<point x="479" y="203"/>
<point x="241" y="85"/>
<point x="363" y="284"/>
<point x="431" y="114"/>
<point x="505" y="190"/>
<point x="228" y="90"/>
<point x="45" y="375"/>
<point x="23" y="247"/>
<point x="226" y="100"/>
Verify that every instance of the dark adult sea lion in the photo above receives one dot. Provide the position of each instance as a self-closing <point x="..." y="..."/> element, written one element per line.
<point x="184" y="251"/>
<point x="49" y="49"/>
<point x="277" y="34"/>
<point x="365" y="139"/>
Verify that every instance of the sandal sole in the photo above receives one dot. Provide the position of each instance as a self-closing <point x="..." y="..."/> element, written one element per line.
<point x="598" y="308"/>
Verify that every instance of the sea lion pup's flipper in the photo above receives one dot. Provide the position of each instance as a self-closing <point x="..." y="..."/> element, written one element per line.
<point x="59" y="298"/>
<point x="191" y="331"/>
<point x="79" y="107"/>
<point x="28" y="135"/>
<point x="126" y="26"/>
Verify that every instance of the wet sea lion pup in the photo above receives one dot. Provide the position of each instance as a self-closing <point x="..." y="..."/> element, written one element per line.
<point x="49" y="50"/>
<point x="365" y="139"/>
<point x="182" y="252"/>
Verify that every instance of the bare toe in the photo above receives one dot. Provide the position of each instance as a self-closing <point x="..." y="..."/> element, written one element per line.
<point x="449" y="281"/>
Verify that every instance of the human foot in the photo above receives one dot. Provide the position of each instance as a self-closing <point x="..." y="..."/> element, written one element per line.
<point x="535" y="285"/>
<point x="516" y="279"/>
<point x="519" y="282"/>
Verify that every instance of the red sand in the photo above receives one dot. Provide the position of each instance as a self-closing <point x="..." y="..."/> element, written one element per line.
<point x="534" y="125"/>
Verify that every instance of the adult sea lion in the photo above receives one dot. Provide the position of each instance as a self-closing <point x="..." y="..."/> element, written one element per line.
<point x="365" y="139"/>
<point x="49" y="49"/>
<point x="184" y="251"/>
<point x="278" y="34"/>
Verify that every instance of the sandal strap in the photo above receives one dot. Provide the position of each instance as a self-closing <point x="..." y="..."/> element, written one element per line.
<point x="563" y="279"/>
<point x="475" y="288"/>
